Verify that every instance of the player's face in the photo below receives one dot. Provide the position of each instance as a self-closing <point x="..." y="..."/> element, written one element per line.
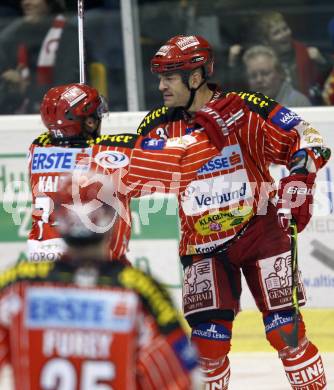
<point x="92" y="126"/>
<point x="263" y="76"/>
<point x="174" y="91"/>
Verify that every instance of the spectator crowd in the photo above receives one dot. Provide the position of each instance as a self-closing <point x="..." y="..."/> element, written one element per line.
<point x="264" y="51"/>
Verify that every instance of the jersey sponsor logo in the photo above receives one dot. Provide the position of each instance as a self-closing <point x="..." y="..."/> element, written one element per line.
<point x="212" y="331"/>
<point x="258" y="102"/>
<point x="216" y="192"/>
<point x="152" y="144"/>
<point x="73" y="308"/>
<point x="196" y="249"/>
<point x="230" y="157"/>
<point x="309" y="136"/>
<point x="111" y="159"/>
<point x="56" y="159"/>
<point x="180" y="142"/>
<point x="286" y="119"/>
<point x="127" y="140"/>
<point x="223" y="220"/>
<point x="150" y="119"/>
<point x="277" y="320"/>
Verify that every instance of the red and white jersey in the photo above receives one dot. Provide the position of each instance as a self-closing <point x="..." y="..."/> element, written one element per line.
<point x="119" y="331"/>
<point x="235" y="184"/>
<point x="139" y="168"/>
<point x="48" y="165"/>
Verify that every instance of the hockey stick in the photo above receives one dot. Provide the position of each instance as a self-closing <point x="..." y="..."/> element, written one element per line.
<point x="81" y="41"/>
<point x="291" y="338"/>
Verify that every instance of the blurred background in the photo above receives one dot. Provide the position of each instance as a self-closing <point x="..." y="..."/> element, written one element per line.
<point x="39" y="48"/>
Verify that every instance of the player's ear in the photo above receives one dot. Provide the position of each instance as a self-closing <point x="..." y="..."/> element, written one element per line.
<point x="195" y="78"/>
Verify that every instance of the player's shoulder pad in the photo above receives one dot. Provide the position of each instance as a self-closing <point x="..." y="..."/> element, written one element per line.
<point x="43" y="139"/>
<point x="25" y="271"/>
<point x="153" y="119"/>
<point x="127" y="140"/>
<point x="259" y="103"/>
<point x="154" y="297"/>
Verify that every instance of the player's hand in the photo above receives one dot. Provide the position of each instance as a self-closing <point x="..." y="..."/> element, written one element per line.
<point x="295" y="199"/>
<point x="222" y="117"/>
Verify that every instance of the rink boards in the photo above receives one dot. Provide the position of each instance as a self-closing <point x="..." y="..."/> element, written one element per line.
<point x="155" y="223"/>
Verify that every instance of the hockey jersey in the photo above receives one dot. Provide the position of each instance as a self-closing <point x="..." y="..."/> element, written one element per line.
<point x="235" y="184"/>
<point x="109" y="326"/>
<point x="138" y="166"/>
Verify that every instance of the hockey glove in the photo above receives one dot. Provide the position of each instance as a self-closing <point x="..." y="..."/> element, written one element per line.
<point x="295" y="199"/>
<point x="222" y="117"/>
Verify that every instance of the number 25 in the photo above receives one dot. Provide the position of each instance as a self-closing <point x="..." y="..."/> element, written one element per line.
<point x="62" y="371"/>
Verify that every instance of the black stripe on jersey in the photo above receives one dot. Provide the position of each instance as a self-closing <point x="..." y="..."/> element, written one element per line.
<point x="154" y="297"/>
<point x="126" y="140"/>
<point x="153" y="119"/>
<point x="43" y="139"/>
<point x="257" y="102"/>
<point x="25" y="271"/>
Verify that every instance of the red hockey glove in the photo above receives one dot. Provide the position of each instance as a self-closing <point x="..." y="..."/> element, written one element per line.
<point x="295" y="199"/>
<point x="222" y="117"/>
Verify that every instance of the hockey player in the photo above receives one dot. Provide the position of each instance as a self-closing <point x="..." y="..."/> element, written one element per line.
<point x="229" y="221"/>
<point x="72" y="114"/>
<point x="84" y="322"/>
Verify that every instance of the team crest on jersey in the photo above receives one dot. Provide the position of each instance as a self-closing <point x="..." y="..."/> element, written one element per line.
<point x="111" y="159"/>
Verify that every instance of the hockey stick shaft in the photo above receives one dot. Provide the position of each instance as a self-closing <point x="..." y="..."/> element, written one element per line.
<point x="81" y="41"/>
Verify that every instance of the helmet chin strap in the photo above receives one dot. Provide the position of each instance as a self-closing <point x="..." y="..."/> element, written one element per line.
<point x="192" y="94"/>
<point x="185" y="79"/>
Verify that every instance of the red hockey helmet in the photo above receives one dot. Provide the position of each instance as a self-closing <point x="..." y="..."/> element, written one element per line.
<point x="65" y="108"/>
<point x="85" y="207"/>
<point x="183" y="53"/>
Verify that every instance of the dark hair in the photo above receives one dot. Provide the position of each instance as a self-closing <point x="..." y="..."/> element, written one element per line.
<point x="56" y="6"/>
